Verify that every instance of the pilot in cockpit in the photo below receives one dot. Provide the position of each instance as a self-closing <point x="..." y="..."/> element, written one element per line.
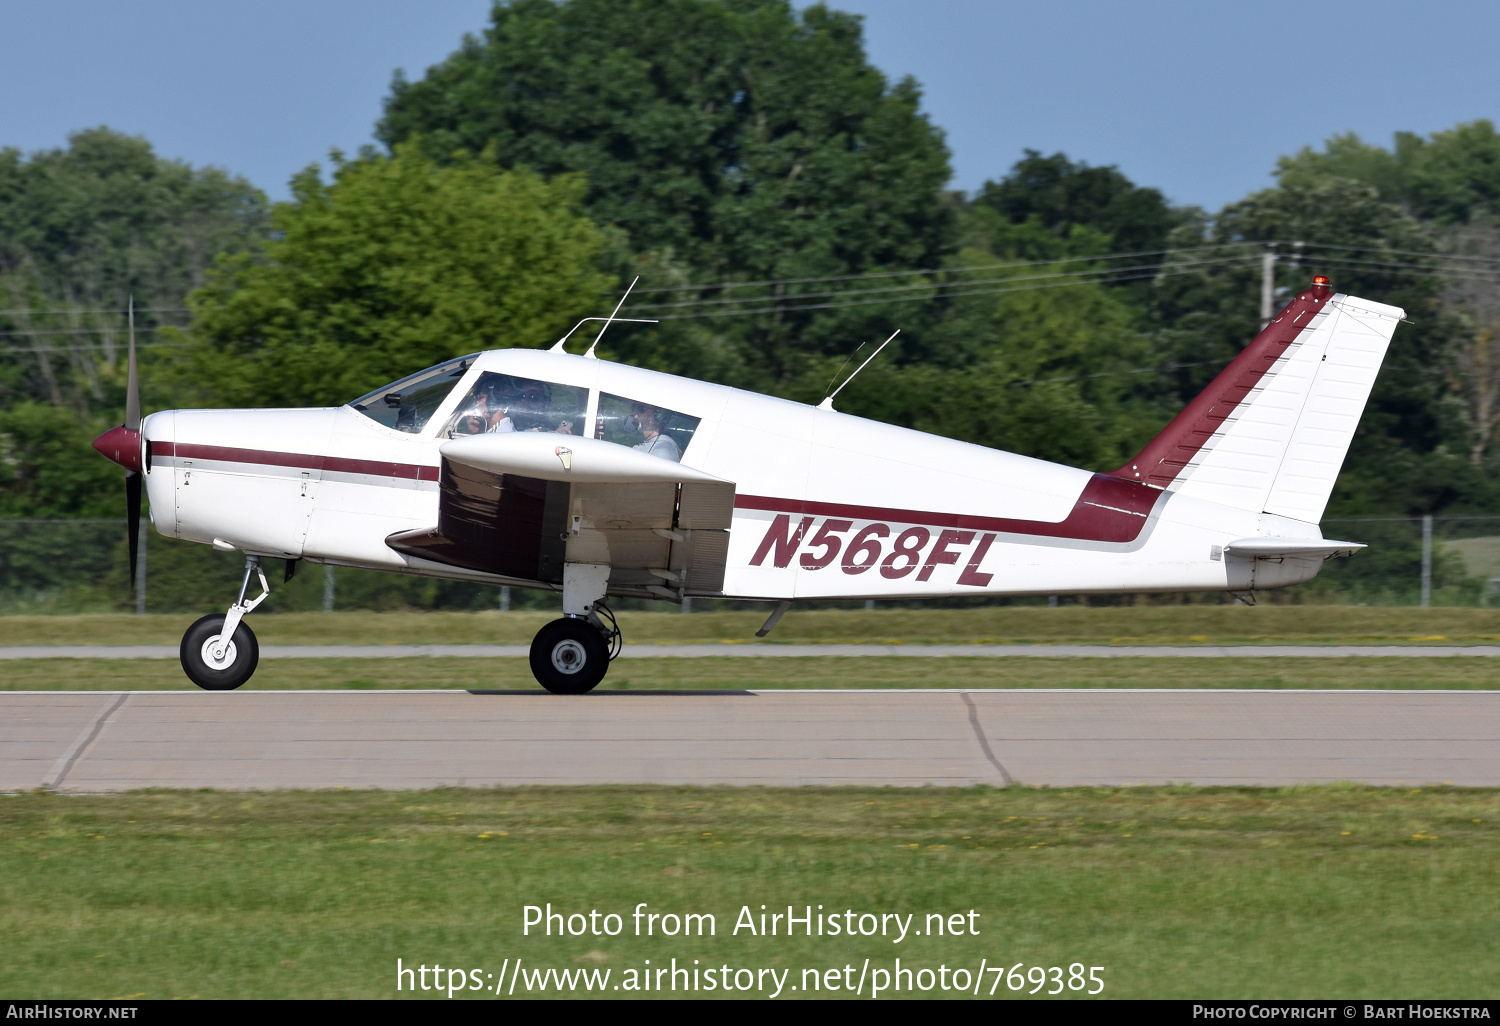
<point x="648" y="420"/>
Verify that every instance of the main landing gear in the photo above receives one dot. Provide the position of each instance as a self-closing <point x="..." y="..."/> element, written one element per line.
<point x="570" y="656"/>
<point x="219" y="652"/>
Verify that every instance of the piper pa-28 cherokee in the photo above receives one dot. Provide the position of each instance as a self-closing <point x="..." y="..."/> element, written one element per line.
<point x="544" y="469"/>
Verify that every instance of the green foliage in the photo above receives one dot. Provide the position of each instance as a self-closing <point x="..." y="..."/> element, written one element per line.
<point x="739" y="141"/>
<point x="1446" y="178"/>
<point x="83" y="229"/>
<point x="1062" y="196"/>
<point x="107" y="217"/>
<point x="393" y="265"/>
<point x="1043" y="372"/>
<point x="49" y="469"/>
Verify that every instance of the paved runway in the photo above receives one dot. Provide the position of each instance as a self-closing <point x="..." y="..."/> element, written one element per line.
<point x="101" y="741"/>
<point x="771" y="651"/>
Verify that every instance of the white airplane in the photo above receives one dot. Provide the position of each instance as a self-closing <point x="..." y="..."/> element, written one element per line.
<point x="543" y="469"/>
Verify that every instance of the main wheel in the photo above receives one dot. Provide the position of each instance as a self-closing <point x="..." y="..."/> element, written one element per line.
<point x="219" y="668"/>
<point x="569" y="657"/>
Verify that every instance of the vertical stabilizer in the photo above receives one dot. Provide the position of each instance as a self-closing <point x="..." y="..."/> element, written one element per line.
<point x="1270" y="433"/>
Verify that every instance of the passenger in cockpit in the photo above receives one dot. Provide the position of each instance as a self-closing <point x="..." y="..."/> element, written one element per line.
<point x="656" y="443"/>
<point x="500" y="422"/>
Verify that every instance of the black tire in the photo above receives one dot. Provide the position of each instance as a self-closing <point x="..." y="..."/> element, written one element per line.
<point x="246" y="654"/>
<point x="569" y="657"/>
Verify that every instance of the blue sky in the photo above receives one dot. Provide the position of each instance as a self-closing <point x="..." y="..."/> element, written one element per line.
<point x="1197" y="99"/>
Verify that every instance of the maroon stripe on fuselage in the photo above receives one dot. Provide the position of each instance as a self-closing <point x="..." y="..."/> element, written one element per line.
<point x="1169" y="453"/>
<point x="264" y="458"/>
<point x="1109" y="510"/>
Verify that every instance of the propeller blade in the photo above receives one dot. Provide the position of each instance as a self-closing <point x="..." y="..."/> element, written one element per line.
<point x="133" y="518"/>
<point x="132" y="479"/>
<point x="132" y="383"/>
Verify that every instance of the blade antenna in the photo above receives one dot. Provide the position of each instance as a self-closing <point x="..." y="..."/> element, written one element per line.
<point x="827" y="403"/>
<point x="610" y="319"/>
<point x="132" y="479"/>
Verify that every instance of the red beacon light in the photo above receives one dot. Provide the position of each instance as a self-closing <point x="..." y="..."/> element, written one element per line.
<point x="1321" y="279"/>
<point x="1322" y="288"/>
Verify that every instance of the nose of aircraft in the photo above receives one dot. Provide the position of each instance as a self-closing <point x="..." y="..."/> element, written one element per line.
<point x="121" y="445"/>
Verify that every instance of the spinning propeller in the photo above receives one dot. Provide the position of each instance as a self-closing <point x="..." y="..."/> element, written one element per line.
<point x="122" y="445"/>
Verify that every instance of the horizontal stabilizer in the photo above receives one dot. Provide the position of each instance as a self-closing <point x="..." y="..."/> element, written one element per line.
<point x="553" y="457"/>
<point x="1272" y="547"/>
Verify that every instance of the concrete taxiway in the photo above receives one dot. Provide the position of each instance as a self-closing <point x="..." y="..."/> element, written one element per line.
<point x="103" y="741"/>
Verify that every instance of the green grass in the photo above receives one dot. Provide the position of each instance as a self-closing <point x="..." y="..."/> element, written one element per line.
<point x="764" y="674"/>
<point x="1183" y="624"/>
<point x="1303" y="892"/>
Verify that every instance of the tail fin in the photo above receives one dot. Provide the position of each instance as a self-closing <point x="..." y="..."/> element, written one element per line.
<point x="1270" y="433"/>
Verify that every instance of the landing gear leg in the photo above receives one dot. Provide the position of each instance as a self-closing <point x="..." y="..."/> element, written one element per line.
<point x="570" y="656"/>
<point x="219" y="652"/>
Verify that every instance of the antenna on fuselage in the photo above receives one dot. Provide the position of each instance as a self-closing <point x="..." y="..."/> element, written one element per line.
<point x="827" y="403"/>
<point x="558" y="347"/>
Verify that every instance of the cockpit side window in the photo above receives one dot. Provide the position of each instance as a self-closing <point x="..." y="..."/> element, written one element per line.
<point x="408" y="404"/>
<point x="501" y="403"/>
<point x="653" y="429"/>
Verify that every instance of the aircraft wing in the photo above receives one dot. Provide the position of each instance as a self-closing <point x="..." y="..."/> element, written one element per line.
<point x="521" y="504"/>
<point x="1272" y="548"/>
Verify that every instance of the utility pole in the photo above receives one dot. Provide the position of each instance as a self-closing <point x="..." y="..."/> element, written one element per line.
<point x="327" y="587"/>
<point x="1426" y="560"/>
<point x="505" y="598"/>
<point x="140" y="570"/>
<point x="1267" y="285"/>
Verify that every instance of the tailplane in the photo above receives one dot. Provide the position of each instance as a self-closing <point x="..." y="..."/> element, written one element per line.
<point x="1270" y="433"/>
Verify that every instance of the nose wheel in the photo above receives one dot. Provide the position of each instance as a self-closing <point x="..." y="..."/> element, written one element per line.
<point x="569" y="656"/>
<point x="216" y="664"/>
<point x="219" y="652"/>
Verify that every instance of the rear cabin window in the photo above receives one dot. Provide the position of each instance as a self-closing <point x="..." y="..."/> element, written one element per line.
<point x="408" y="404"/>
<point x="652" y="429"/>
<point x="500" y="403"/>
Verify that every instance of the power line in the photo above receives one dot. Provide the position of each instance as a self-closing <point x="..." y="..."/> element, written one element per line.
<point x="121" y="310"/>
<point x="870" y="275"/>
<point x="893" y="288"/>
<point x="89" y="349"/>
<point x="789" y="305"/>
<point x="75" y="331"/>
<point x="1169" y="368"/>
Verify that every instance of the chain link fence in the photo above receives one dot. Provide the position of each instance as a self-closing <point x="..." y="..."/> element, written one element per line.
<point x="82" y="566"/>
<point x="75" y="566"/>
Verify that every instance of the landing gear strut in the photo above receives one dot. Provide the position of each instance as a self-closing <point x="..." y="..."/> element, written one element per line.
<point x="219" y="652"/>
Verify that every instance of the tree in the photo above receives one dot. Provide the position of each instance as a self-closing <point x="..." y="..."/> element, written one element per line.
<point x="1474" y="372"/>
<point x="1445" y="178"/>
<point x="393" y="265"/>
<point x="86" y="227"/>
<point x="1062" y="197"/>
<point x="738" y="139"/>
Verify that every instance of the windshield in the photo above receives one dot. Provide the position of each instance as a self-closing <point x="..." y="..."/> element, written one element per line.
<point x="407" y="404"/>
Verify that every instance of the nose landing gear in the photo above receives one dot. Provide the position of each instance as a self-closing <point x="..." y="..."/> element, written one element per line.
<point x="219" y="652"/>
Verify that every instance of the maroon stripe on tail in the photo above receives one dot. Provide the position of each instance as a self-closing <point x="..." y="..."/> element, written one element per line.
<point x="1109" y="510"/>
<point x="1168" y="453"/>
